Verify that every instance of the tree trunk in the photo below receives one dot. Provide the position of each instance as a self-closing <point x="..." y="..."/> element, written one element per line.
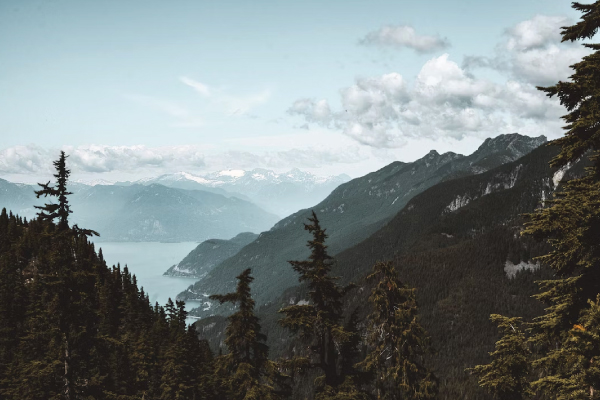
<point x="67" y="375"/>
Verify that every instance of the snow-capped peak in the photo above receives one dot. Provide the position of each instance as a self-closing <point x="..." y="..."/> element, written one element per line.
<point x="234" y="173"/>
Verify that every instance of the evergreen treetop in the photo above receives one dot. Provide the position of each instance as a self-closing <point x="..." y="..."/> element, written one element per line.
<point x="580" y="95"/>
<point x="398" y="343"/>
<point x="245" y="372"/>
<point x="60" y="210"/>
<point x="319" y="322"/>
<point x="507" y="375"/>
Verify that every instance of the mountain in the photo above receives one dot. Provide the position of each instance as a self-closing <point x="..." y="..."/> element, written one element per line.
<point x="148" y="213"/>
<point x="458" y="244"/>
<point x="281" y="194"/>
<point x="351" y="213"/>
<point x="208" y="254"/>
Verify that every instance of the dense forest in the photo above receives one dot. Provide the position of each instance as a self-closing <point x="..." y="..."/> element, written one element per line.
<point x="73" y="328"/>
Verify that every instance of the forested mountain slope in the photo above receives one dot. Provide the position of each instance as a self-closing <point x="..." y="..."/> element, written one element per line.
<point x="352" y="212"/>
<point x="208" y="254"/>
<point x="458" y="243"/>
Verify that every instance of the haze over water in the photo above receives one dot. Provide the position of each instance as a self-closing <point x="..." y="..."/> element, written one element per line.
<point x="148" y="261"/>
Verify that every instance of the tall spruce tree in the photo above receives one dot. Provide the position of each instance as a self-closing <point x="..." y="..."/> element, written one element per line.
<point x="320" y="321"/>
<point x="398" y="343"/>
<point x="246" y="371"/>
<point x="507" y="376"/>
<point x="61" y="209"/>
<point x="571" y="223"/>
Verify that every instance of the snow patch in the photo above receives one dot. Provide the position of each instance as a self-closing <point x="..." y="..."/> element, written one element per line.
<point x="234" y="173"/>
<point x="558" y="175"/>
<point x="511" y="269"/>
<point x="458" y="202"/>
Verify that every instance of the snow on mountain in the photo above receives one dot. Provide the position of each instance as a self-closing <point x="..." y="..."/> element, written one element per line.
<point x="280" y="193"/>
<point x="94" y="182"/>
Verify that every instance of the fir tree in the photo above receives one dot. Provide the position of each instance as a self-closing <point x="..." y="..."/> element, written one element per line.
<point x="506" y="377"/>
<point x="60" y="210"/>
<point x="247" y="372"/>
<point x="397" y="340"/>
<point x="571" y="224"/>
<point x="319" y="322"/>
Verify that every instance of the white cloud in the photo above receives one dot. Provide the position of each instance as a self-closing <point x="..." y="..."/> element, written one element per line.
<point x="400" y="36"/>
<point x="313" y="110"/>
<point x="444" y="101"/>
<point x="532" y="52"/>
<point x="536" y="33"/>
<point x="197" y="86"/>
<point x="33" y="163"/>
<point x="101" y="158"/>
<point x="231" y="104"/>
<point x="24" y="159"/>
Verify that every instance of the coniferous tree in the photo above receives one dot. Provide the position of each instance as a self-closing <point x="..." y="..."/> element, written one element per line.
<point x="319" y="322"/>
<point x="60" y="210"/>
<point x="398" y="341"/>
<point x="506" y="377"/>
<point x="245" y="370"/>
<point x="571" y="223"/>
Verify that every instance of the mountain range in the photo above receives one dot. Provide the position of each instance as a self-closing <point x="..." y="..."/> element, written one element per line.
<point x="351" y="213"/>
<point x="459" y="244"/>
<point x="148" y="212"/>
<point x="281" y="194"/>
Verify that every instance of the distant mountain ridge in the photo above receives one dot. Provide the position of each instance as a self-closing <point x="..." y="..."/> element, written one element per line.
<point x="148" y="213"/>
<point x="279" y="193"/>
<point x="351" y="213"/>
<point x="459" y="244"/>
<point x="209" y="254"/>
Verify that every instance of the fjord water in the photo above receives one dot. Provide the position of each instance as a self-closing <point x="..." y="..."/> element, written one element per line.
<point x="148" y="261"/>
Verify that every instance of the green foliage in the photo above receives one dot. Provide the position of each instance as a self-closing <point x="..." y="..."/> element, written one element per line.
<point x="60" y="210"/>
<point x="398" y="343"/>
<point x="571" y="225"/>
<point x="507" y="375"/>
<point x="71" y="328"/>
<point x="319" y="322"/>
<point x="245" y="372"/>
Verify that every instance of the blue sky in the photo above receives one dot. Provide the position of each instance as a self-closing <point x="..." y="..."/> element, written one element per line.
<point x="326" y="86"/>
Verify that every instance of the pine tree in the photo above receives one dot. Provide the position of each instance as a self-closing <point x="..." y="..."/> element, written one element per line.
<point x="318" y="322"/>
<point x="60" y="210"/>
<point x="246" y="369"/>
<point x="506" y="377"/>
<point x="571" y="223"/>
<point x="397" y="340"/>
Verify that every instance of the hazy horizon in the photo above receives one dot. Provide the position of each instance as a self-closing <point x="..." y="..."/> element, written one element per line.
<point x="138" y="90"/>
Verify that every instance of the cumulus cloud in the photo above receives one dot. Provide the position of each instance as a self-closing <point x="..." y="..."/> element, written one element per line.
<point x="91" y="162"/>
<point x="532" y="52"/>
<point x="401" y="36"/>
<point x="444" y="101"/>
<point x="100" y="158"/>
<point x="24" y="159"/>
<point x="313" y="110"/>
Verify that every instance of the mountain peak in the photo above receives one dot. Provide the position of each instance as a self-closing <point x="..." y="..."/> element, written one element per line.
<point x="512" y="139"/>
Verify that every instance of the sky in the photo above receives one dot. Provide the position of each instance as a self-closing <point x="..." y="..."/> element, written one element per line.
<point x="133" y="89"/>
